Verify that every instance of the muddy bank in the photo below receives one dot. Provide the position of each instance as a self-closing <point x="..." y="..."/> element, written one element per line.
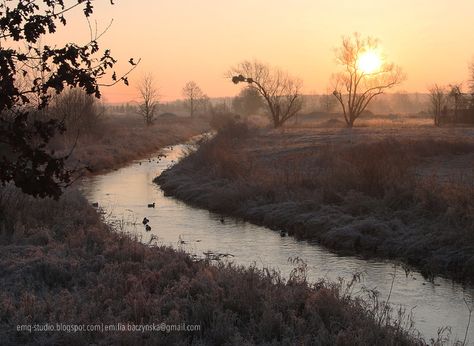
<point x="365" y="198"/>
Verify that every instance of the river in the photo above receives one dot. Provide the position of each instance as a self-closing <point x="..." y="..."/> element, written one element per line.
<point x="124" y="195"/>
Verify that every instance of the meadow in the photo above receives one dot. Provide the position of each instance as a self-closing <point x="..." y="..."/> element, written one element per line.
<point x="402" y="193"/>
<point x="61" y="262"/>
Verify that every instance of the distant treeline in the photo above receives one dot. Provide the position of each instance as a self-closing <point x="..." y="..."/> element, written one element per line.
<point x="390" y="103"/>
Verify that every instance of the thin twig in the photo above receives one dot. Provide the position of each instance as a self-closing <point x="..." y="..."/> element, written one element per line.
<point x="470" y="308"/>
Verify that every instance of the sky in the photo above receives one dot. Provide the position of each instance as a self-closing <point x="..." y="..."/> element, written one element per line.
<point x="183" y="40"/>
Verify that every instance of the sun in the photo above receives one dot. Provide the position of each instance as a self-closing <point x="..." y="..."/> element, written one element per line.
<point x="369" y="62"/>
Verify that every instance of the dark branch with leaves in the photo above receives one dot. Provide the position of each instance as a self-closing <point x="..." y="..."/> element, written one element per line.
<point x="30" y="76"/>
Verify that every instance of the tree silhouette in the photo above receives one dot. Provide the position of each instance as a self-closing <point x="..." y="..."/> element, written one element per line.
<point x="80" y="112"/>
<point x="355" y="88"/>
<point x="280" y="91"/>
<point x="455" y="93"/>
<point x="438" y="102"/>
<point x="24" y="155"/>
<point x="194" y="97"/>
<point x="149" y="98"/>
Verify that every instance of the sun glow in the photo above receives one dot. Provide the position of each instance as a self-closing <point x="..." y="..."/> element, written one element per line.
<point x="369" y="62"/>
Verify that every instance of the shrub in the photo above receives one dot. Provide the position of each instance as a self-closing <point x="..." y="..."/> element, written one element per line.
<point x="220" y="120"/>
<point x="81" y="113"/>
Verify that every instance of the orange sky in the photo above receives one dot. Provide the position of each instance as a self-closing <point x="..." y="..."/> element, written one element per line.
<point x="182" y="40"/>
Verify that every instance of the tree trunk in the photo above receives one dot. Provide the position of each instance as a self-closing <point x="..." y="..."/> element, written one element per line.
<point x="276" y="119"/>
<point x="351" y="121"/>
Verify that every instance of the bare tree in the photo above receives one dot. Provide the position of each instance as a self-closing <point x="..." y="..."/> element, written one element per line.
<point x="438" y="102"/>
<point x="363" y="76"/>
<point x="280" y="91"/>
<point x="149" y="98"/>
<point x="194" y="97"/>
<point x="455" y="96"/>
<point x="81" y="113"/>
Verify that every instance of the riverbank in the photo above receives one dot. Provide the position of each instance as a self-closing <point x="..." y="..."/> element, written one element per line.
<point x="60" y="263"/>
<point x="399" y="193"/>
<point x="120" y="139"/>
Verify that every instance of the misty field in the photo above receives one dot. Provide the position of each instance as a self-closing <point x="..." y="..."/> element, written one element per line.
<point x="404" y="193"/>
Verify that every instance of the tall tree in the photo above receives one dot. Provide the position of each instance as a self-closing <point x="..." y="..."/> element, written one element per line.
<point x="193" y="97"/>
<point x="363" y="76"/>
<point x="281" y="92"/>
<point x="149" y="98"/>
<point x="438" y="103"/>
<point x="24" y="155"/>
<point x="455" y="95"/>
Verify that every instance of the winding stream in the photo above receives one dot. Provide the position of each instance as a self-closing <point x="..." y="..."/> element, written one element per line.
<point x="125" y="193"/>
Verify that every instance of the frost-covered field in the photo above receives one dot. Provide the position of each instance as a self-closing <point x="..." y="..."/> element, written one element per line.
<point x="390" y="192"/>
<point x="297" y="138"/>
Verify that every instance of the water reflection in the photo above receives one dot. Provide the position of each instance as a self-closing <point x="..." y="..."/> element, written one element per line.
<point x="125" y="194"/>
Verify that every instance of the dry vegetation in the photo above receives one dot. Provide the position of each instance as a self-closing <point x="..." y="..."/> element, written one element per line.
<point x="118" y="139"/>
<point x="366" y="191"/>
<point x="60" y="262"/>
<point x="366" y="119"/>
